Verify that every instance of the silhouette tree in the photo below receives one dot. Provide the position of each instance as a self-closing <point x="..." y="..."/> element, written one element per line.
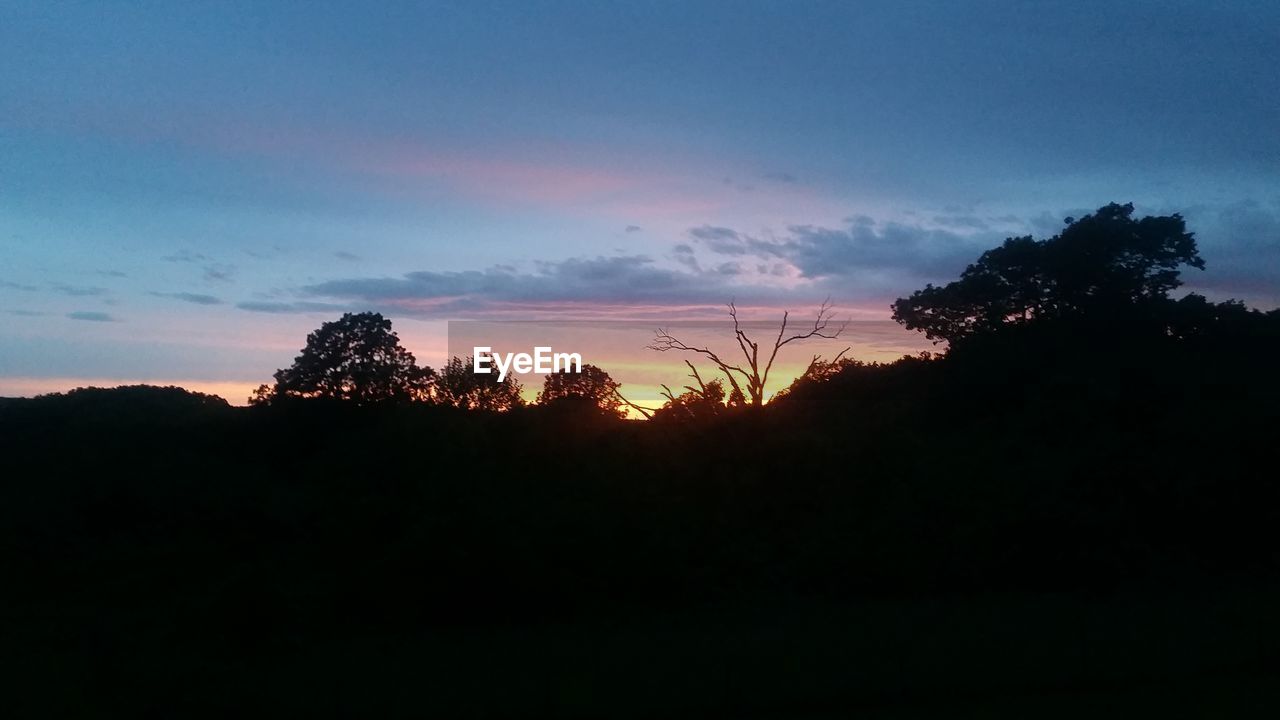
<point x="747" y="380"/>
<point x="1102" y="263"/>
<point x="592" y="385"/>
<point x="458" y="385"/>
<point x="357" y="358"/>
<point x="707" y="399"/>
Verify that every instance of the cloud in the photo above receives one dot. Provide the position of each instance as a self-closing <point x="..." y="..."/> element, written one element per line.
<point x="969" y="222"/>
<point x="720" y="240"/>
<point x="18" y="286"/>
<point x="344" y="255"/>
<point x="185" y="256"/>
<point x="683" y="254"/>
<point x="289" y="307"/>
<point x="90" y="316"/>
<point x="219" y="273"/>
<point x="599" y="281"/>
<point x="27" y="313"/>
<point x="821" y="252"/>
<point x="264" y="253"/>
<point x="633" y="229"/>
<point x="195" y="298"/>
<point x="77" y="290"/>
<point x="213" y="271"/>
<point x="863" y="261"/>
<point x="710" y="232"/>
<point x="781" y="177"/>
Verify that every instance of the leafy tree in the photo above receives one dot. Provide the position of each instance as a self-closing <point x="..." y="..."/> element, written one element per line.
<point x="458" y="385"/>
<point x="357" y="358"/>
<point x="592" y="385"/>
<point x="1101" y="263"/>
<point x="695" y="403"/>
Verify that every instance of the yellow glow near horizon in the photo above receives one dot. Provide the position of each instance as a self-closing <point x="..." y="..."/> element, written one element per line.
<point x="618" y="348"/>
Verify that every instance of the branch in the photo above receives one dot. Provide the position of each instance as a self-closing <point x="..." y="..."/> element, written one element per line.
<point x="646" y="412"/>
<point x="819" y="329"/>
<point x="743" y="340"/>
<point x="664" y="341"/>
<point x="702" y="387"/>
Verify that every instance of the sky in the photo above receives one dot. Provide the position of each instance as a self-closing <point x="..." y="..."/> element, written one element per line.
<point x="188" y="189"/>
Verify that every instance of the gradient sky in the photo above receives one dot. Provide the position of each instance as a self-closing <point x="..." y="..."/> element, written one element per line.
<point x="187" y="189"/>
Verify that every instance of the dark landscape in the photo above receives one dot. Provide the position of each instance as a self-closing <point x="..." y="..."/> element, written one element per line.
<point x="1072" y="508"/>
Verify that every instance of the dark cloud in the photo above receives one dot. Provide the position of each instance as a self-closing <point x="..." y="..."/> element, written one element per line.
<point x="113" y="273"/>
<point x="604" y="280"/>
<point x="344" y="255"/>
<point x="18" y="286"/>
<point x="864" y="260"/>
<point x="633" y="229"/>
<point x="720" y="240"/>
<point x="91" y="316"/>
<point x="683" y="254"/>
<point x="27" y="313"/>
<point x="821" y="252"/>
<point x="195" y="298"/>
<point x="781" y="177"/>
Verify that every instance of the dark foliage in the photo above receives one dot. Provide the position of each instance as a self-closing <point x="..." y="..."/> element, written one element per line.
<point x="1083" y="504"/>
<point x="357" y="358"/>
<point x="592" y="388"/>
<point x="458" y="386"/>
<point x="1103" y="262"/>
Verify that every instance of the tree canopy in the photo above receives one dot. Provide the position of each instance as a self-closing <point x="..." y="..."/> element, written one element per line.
<point x="459" y="386"/>
<point x="592" y="385"/>
<point x="1104" y="262"/>
<point x="358" y="358"/>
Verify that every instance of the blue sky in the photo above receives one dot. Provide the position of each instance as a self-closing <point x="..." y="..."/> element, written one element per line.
<point x="186" y="189"/>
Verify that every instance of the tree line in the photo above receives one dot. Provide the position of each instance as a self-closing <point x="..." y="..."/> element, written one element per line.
<point x="1105" y="273"/>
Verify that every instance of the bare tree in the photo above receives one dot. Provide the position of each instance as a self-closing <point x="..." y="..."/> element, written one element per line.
<point x="748" y="379"/>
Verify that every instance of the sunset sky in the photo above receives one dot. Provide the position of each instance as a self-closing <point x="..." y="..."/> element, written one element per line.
<point x="187" y="188"/>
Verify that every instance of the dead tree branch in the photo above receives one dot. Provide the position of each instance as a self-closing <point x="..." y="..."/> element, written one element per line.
<point x="749" y="373"/>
